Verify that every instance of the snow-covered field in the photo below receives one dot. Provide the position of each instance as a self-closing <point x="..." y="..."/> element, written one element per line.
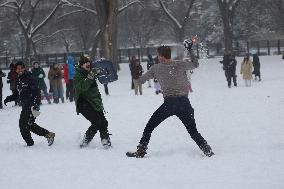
<point x="244" y="126"/>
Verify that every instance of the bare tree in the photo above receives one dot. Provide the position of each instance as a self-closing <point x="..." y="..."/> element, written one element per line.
<point x="25" y="11"/>
<point x="179" y="25"/>
<point x="107" y="12"/>
<point x="227" y="9"/>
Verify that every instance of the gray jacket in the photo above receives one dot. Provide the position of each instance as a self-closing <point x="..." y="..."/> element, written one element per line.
<point x="172" y="76"/>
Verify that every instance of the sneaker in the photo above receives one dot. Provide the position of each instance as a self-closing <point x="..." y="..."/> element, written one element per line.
<point x="140" y="153"/>
<point x="50" y="138"/>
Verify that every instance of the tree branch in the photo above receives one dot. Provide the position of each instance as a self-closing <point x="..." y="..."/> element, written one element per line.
<point x="59" y="3"/>
<point x="51" y="35"/>
<point x="169" y="15"/>
<point x="68" y="3"/>
<point x="121" y="9"/>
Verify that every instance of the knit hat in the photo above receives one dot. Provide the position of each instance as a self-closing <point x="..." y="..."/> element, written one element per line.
<point x="83" y="60"/>
<point x="20" y="63"/>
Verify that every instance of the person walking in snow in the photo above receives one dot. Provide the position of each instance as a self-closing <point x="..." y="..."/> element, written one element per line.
<point x="256" y="67"/>
<point x="39" y="75"/>
<point x="229" y="66"/>
<point x="136" y="71"/>
<point x="55" y="76"/>
<point x="71" y="73"/>
<point x="89" y="103"/>
<point x="11" y="79"/>
<point x="172" y="77"/>
<point x="157" y="85"/>
<point x="29" y="95"/>
<point x="246" y="70"/>
<point x="150" y="63"/>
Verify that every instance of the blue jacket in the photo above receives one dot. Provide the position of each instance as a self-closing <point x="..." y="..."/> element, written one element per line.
<point x="71" y="67"/>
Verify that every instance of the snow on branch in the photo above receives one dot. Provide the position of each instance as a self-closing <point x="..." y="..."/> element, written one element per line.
<point x="70" y="13"/>
<point x="68" y="3"/>
<point x="170" y="15"/>
<point x="8" y="4"/>
<point x="129" y="4"/>
<point x="59" y="3"/>
<point x="51" y="35"/>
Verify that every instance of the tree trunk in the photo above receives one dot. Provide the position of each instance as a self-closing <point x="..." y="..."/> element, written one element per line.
<point x="28" y="51"/>
<point x="228" y="35"/>
<point x="107" y="16"/>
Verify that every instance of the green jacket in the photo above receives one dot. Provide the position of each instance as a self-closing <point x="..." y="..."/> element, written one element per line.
<point x="87" y="89"/>
<point x="36" y="72"/>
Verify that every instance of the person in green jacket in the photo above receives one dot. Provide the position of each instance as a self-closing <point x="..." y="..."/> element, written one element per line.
<point x="39" y="75"/>
<point x="89" y="103"/>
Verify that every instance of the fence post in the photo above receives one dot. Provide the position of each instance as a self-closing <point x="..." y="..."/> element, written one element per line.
<point x="268" y="47"/>
<point x="197" y="50"/>
<point x="247" y="46"/>
<point x="278" y="46"/>
<point x="258" y="47"/>
<point x="238" y="49"/>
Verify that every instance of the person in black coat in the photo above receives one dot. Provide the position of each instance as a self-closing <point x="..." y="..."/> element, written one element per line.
<point x="29" y="96"/>
<point x="2" y="74"/>
<point x="229" y="66"/>
<point x="256" y="67"/>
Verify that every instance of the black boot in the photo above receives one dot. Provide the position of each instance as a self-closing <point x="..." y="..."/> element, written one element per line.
<point x="88" y="137"/>
<point x="140" y="153"/>
<point x="206" y="150"/>
<point x="105" y="139"/>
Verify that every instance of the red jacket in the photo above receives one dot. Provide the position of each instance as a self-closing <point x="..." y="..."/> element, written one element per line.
<point x="65" y="70"/>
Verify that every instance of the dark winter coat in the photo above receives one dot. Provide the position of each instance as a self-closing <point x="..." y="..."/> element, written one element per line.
<point x="28" y="91"/>
<point x="256" y="65"/>
<point x="39" y="75"/>
<point x="87" y="89"/>
<point x="11" y="79"/>
<point x="136" y="69"/>
<point x="2" y="74"/>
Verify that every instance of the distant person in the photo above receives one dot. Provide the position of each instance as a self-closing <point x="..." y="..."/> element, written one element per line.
<point x="256" y="67"/>
<point x="28" y="93"/>
<point x="39" y="75"/>
<point x="171" y="75"/>
<point x="229" y="66"/>
<point x="12" y="79"/>
<point x="2" y="74"/>
<point x="150" y="63"/>
<point x="136" y="72"/>
<point x="55" y="76"/>
<point x="246" y="70"/>
<point x="71" y="73"/>
<point x="157" y="85"/>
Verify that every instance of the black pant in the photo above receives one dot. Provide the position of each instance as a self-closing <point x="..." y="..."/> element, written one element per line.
<point x="97" y="119"/>
<point x="1" y="97"/>
<point x="106" y="89"/>
<point x="179" y="106"/>
<point x="229" y="75"/>
<point x="27" y="125"/>
<point x="70" y="90"/>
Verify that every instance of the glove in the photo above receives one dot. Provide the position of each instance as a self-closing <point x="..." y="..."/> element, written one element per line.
<point x="188" y="44"/>
<point x="91" y="75"/>
<point x="40" y="76"/>
<point x="35" y="111"/>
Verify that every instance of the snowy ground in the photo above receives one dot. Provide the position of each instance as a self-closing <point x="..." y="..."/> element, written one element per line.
<point x="244" y="126"/>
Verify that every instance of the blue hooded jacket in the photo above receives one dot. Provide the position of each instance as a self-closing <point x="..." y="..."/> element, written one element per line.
<point x="71" y="67"/>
